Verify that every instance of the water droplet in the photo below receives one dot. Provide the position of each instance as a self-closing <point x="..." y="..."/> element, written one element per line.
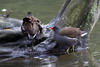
<point x="85" y="63"/>
<point x="4" y="10"/>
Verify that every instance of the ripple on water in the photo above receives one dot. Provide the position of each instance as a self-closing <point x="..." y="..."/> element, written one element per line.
<point x="45" y="59"/>
<point x="95" y="53"/>
<point x="85" y="63"/>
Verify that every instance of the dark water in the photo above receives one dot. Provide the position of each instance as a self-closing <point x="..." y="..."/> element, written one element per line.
<point x="94" y="42"/>
<point x="45" y="10"/>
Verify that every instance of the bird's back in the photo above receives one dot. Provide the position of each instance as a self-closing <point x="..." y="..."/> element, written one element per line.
<point x="70" y="32"/>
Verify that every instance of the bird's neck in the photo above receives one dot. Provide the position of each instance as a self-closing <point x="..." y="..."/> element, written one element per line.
<point x="56" y="30"/>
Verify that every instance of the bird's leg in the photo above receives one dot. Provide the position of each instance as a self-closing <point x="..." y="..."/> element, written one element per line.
<point x="67" y="51"/>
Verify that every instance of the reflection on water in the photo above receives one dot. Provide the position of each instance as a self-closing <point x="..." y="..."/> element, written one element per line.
<point x="95" y="43"/>
<point x="78" y="59"/>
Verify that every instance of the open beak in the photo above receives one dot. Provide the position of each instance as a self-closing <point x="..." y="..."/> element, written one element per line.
<point x="32" y="37"/>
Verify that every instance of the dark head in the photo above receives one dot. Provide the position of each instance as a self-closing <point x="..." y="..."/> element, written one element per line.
<point x="55" y="29"/>
<point x="30" y="25"/>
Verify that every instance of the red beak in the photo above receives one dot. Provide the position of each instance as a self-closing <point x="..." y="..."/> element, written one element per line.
<point x="51" y="28"/>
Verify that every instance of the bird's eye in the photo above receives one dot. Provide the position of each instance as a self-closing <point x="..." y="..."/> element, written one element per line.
<point x="37" y="20"/>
